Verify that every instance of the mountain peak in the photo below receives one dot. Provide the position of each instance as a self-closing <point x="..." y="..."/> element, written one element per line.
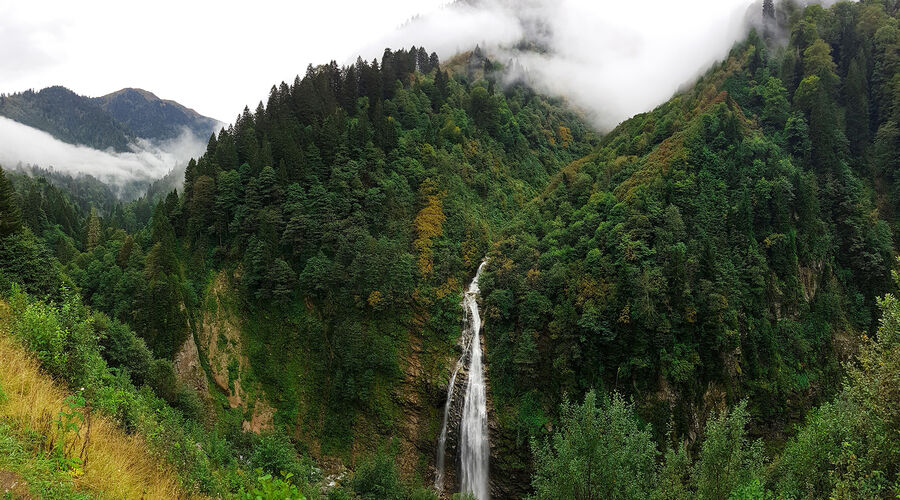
<point x="149" y="116"/>
<point x="131" y="91"/>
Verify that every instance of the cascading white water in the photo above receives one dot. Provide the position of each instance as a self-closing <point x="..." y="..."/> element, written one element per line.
<point x="473" y="427"/>
<point x="473" y="432"/>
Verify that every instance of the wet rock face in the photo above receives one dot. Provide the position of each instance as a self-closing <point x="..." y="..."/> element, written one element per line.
<point x="510" y="458"/>
<point x="452" y="458"/>
<point x="510" y="461"/>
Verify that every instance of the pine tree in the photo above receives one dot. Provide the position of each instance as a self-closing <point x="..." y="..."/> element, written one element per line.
<point x="93" y="230"/>
<point x="10" y="214"/>
<point x="856" y="97"/>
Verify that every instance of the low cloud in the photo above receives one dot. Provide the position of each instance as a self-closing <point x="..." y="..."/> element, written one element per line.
<point x="147" y="161"/>
<point x="612" y="59"/>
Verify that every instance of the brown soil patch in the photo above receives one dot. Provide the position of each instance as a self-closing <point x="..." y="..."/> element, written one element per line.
<point x="12" y="484"/>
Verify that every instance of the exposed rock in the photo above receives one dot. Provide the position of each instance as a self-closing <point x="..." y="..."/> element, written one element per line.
<point x="219" y="335"/>
<point x="188" y="367"/>
<point x="810" y="279"/>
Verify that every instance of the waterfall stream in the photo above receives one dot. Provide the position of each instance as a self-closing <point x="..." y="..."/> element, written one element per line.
<point x="473" y="426"/>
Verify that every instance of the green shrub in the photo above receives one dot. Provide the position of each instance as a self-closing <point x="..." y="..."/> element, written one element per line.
<point x="275" y="454"/>
<point x="272" y="488"/>
<point x="123" y="349"/>
<point x="377" y="478"/>
<point x="162" y="379"/>
<point x="188" y="402"/>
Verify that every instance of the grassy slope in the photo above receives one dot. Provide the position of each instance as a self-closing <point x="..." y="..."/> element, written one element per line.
<point x="118" y="466"/>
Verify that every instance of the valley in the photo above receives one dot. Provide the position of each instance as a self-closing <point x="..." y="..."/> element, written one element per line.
<point x="414" y="278"/>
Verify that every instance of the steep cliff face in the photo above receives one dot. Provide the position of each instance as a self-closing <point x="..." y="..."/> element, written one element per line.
<point x="219" y="366"/>
<point x="214" y="355"/>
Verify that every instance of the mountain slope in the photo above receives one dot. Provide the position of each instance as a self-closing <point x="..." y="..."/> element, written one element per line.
<point x="148" y="116"/>
<point x="729" y="244"/>
<point x="67" y="116"/>
<point x="111" y="463"/>
<point x="113" y="121"/>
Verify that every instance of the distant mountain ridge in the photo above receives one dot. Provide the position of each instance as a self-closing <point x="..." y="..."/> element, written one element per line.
<point x="112" y="121"/>
<point x="67" y="116"/>
<point x="148" y="116"/>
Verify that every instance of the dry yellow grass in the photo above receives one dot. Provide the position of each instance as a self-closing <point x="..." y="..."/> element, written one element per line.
<point x="118" y="465"/>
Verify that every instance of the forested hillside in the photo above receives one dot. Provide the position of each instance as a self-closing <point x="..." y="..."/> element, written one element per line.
<point x="729" y="245"/>
<point x="113" y="121"/>
<point x="707" y="278"/>
<point x="67" y="116"/>
<point x="148" y="116"/>
<point x="317" y="253"/>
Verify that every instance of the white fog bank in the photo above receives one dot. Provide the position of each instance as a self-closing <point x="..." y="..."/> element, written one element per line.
<point x="148" y="160"/>
<point x="613" y="59"/>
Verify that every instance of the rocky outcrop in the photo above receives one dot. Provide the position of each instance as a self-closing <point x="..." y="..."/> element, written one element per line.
<point x="189" y="369"/>
<point x="218" y="332"/>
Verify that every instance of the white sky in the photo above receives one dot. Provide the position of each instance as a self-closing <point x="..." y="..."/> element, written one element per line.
<point x="212" y="56"/>
<point x="612" y="57"/>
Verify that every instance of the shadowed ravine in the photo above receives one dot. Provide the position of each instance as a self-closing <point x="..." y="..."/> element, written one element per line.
<point x="474" y="447"/>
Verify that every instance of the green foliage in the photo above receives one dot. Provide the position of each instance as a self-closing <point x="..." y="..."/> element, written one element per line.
<point x="70" y="420"/>
<point x="726" y="237"/>
<point x="43" y="478"/>
<point x="64" y="337"/>
<point x="269" y="488"/>
<point x="377" y="478"/>
<point x="10" y="214"/>
<point x="274" y="454"/>
<point x="721" y="241"/>
<point x="729" y="464"/>
<point x="848" y="448"/>
<point x="598" y="452"/>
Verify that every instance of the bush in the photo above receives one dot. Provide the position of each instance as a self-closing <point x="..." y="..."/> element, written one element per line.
<point x="273" y="489"/>
<point x="377" y="478"/>
<point x="275" y="455"/>
<point x="189" y="403"/>
<point x="61" y="337"/>
<point x="162" y="379"/>
<point x="123" y="349"/>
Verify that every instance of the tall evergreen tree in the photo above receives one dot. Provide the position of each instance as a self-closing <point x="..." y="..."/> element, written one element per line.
<point x="10" y="214"/>
<point x="857" y="101"/>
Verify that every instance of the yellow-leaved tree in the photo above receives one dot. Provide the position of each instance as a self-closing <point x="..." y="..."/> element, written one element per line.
<point x="428" y="224"/>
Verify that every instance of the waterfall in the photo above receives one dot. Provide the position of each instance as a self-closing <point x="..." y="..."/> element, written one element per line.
<point x="473" y="426"/>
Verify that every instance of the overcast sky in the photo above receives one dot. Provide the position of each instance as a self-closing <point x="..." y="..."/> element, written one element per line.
<point x="612" y="56"/>
<point x="213" y="56"/>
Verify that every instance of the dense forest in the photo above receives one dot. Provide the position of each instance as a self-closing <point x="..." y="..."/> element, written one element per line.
<point x="696" y="304"/>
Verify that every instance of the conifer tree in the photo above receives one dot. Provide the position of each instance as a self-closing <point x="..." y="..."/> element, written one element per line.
<point x="10" y="214"/>
<point x="856" y="97"/>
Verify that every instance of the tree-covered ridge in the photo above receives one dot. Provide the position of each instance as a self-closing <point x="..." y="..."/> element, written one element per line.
<point x="846" y="448"/>
<point x="67" y="116"/>
<point x="728" y="244"/>
<point x="148" y="116"/>
<point x="112" y="121"/>
<point x="358" y="200"/>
